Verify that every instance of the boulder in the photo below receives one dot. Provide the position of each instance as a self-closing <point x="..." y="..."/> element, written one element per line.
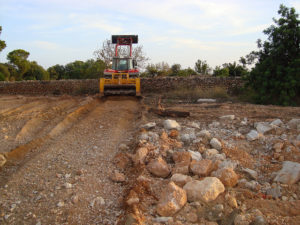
<point x="228" y="163"/>
<point x="140" y="155"/>
<point x="201" y="168"/>
<point x="144" y="136"/>
<point x="149" y="125"/>
<point x="205" y="190"/>
<point x="209" y="153"/>
<point x="195" y="155"/>
<point x="188" y="135"/>
<point x="252" y="135"/>
<point x="173" y="198"/>
<point x="158" y="167"/>
<point x="181" y="168"/>
<point x="276" y="122"/>
<point x="194" y="125"/>
<point x="219" y="157"/>
<point x="123" y="147"/>
<point x="206" y="100"/>
<point x="174" y="134"/>
<point x="117" y="176"/>
<point x="278" y="146"/>
<point x="182" y="157"/>
<point x="228" y="177"/>
<point x="121" y="160"/>
<point x="275" y="192"/>
<point x="171" y="124"/>
<point x="216" y="144"/>
<point x="252" y="173"/>
<point x="204" y="134"/>
<point x="152" y="136"/>
<point x="263" y="127"/>
<point x="293" y="123"/>
<point x="289" y="174"/>
<point x="132" y="198"/>
<point x="180" y="179"/>
<point x="227" y="117"/>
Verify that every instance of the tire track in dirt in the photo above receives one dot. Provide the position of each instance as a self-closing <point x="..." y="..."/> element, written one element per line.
<point x="72" y="148"/>
<point x="19" y="152"/>
<point x="37" y="124"/>
<point x="26" y="108"/>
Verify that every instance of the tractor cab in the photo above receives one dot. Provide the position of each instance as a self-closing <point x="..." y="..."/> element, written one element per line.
<point x="123" y="64"/>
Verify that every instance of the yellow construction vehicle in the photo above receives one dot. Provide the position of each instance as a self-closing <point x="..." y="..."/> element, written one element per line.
<point x="123" y="77"/>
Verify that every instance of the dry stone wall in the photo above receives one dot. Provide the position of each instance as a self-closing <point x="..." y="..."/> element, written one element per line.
<point x="91" y="86"/>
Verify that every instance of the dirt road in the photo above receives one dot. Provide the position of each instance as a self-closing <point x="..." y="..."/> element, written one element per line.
<point x="59" y="154"/>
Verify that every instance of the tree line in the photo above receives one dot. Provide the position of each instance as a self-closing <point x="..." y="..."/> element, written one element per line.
<point x="274" y="77"/>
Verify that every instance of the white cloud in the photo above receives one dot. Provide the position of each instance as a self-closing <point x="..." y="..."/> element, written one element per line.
<point x="46" y="45"/>
<point x="296" y="5"/>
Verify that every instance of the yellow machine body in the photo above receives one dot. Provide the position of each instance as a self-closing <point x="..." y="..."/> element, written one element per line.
<point x="120" y="81"/>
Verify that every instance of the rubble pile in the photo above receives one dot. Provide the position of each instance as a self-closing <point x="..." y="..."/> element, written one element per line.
<point x="228" y="171"/>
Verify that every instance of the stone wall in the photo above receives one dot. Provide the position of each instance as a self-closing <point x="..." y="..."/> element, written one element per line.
<point x="91" y="86"/>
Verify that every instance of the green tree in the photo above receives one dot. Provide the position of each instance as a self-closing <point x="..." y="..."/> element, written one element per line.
<point x="235" y="70"/>
<point x="18" y="59"/>
<point x="36" y="72"/>
<point x="221" y="72"/>
<point x="175" y="68"/>
<point x="151" y="70"/>
<point x="75" y="70"/>
<point x="93" y="69"/>
<point x="4" y="71"/>
<point x="276" y="75"/>
<point x="56" y="72"/>
<point x="2" y="43"/>
<point x="201" y="67"/>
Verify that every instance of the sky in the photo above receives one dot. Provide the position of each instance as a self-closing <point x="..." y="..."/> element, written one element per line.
<point x="173" y="31"/>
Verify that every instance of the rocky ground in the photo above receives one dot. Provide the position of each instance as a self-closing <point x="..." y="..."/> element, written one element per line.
<point x="81" y="160"/>
<point x="225" y="164"/>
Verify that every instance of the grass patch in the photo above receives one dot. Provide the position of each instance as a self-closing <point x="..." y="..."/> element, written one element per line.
<point x="192" y="94"/>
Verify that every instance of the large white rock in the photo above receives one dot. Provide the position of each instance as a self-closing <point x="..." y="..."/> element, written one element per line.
<point x="194" y="125"/>
<point x="195" y="155"/>
<point x="293" y="123"/>
<point x="276" y="122"/>
<point x="149" y="125"/>
<point x="252" y="173"/>
<point x="289" y="174"/>
<point x="201" y="100"/>
<point x="209" y="153"/>
<point x="140" y="155"/>
<point x="171" y="124"/>
<point x="228" y="163"/>
<point x="227" y="117"/>
<point x="204" y="134"/>
<point x="158" y="167"/>
<point x="173" y="198"/>
<point x="252" y="135"/>
<point x="180" y="179"/>
<point x="153" y="137"/>
<point x="144" y="136"/>
<point x="205" y="190"/>
<point x="263" y="127"/>
<point x="216" y="144"/>
<point x="188" y="135"/>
